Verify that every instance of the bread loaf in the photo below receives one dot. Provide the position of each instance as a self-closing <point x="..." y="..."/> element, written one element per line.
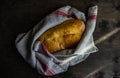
<point x="63" y="36"/>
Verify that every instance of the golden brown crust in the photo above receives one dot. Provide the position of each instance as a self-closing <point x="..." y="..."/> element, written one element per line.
<point x="63" y="36"/>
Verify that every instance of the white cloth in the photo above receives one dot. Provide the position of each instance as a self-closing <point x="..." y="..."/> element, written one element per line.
<point x="36" y="54"/>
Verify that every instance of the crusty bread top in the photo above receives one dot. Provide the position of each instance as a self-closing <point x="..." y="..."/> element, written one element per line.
<point x="64" y="35"/>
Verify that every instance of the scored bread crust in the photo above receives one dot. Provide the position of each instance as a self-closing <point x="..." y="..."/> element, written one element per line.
<point x="63" y="36"/>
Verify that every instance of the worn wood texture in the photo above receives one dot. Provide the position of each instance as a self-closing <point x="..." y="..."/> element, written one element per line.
<point x="18" y="16"/>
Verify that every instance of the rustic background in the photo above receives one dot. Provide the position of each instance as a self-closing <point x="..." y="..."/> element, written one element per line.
<point x="18" y="16"/>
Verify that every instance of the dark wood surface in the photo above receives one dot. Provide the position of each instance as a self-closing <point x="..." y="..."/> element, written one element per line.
<point x="18" y="16"/>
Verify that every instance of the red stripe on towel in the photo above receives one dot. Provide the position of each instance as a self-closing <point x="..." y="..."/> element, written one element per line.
<point x="92" y="17"/>
<point x="45" y="50"/>
<point x="58" y="12"/>
<point x="45" y="67"/>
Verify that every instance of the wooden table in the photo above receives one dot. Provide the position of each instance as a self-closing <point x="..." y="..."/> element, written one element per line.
<point x="20" y="16"/>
